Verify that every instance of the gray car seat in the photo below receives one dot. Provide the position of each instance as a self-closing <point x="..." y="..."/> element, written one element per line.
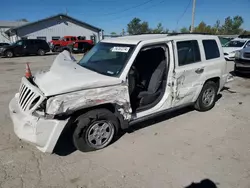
<point x="153" y="87"/>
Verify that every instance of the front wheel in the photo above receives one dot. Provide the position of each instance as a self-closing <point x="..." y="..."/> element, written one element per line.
<point x="207" y="97"/>
<point x="95" y="130"/>
<point x="9" y="54"/>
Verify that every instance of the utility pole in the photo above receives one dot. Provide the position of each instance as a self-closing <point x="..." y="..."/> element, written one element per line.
<point x="193" y="16"/>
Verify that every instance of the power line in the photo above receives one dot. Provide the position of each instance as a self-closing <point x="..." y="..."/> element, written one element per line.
<point x="142" y="9"/>
<point x="129" y="8"/>
<point x="183" y="12"/>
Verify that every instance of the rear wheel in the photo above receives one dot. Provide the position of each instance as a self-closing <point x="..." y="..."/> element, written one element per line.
<point x="95" y="130"/>
<point x="9" y="54"/>
<point x="41" y="52"/>
<point x="207" y="97"/>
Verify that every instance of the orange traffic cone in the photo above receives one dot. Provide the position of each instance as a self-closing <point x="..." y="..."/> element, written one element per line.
<point x="27" y="71"/>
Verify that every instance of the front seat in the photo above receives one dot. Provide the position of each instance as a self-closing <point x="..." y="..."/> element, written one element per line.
<point x="153" y="88"/>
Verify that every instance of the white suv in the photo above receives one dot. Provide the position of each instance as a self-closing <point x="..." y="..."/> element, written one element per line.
<point x="119" y="82"/>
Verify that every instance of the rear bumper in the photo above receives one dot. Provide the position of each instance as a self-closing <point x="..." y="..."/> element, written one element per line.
<point x="43" y="133"/>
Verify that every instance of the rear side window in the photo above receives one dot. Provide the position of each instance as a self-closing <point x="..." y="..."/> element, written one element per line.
<point x="211" y="49"/>
<point x="188" y="52"/>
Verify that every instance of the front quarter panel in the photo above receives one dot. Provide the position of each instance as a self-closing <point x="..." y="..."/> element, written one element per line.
<point x="74" y="101"/>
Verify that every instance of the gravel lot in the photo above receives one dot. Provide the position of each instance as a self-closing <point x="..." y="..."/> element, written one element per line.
<point x="169" y="152"/>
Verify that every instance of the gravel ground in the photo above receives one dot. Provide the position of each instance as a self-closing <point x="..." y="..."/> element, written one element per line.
<point x="171" y="151"/>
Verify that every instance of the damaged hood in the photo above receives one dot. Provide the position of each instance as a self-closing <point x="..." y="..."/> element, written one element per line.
<point x="65" y="75"/>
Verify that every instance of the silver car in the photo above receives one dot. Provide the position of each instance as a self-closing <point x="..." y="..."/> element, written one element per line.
<point x="242" y="60"/>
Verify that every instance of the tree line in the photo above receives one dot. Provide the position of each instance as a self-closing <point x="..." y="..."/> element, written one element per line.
<point x="231" y="26"/>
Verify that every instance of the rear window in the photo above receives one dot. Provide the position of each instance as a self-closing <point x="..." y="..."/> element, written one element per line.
<point x="211" y="49"/>
<point x="188" y="52"/>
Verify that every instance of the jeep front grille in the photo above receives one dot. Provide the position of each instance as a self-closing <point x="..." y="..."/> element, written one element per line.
<point x="30" y="96"/>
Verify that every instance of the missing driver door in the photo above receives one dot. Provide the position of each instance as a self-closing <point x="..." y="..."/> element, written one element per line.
<point x="189" y="71"/>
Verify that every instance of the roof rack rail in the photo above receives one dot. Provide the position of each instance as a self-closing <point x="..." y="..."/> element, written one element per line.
<point x="244" y="36"/>
<point x="172" y="34"/>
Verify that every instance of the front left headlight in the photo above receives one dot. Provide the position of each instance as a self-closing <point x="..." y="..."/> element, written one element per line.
<point x="1" y="49"/>
<point x="237" y="54"/>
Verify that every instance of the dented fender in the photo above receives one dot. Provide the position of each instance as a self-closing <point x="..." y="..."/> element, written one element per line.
<point x="74" y="101"/>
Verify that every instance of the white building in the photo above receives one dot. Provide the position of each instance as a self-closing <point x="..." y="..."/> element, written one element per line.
<point x="6" y="25"/>
<point x="53" y="28"/>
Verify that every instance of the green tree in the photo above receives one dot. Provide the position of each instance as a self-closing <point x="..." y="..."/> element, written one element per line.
<point x="113" y="33"/>
<point x="184" y="30"/>
<point x="232" y="25"/>
<point x="135" y="26"/>
<point x="159" y="29"/>
<point x="23" y="20"/>
<point x="166" y="30"/>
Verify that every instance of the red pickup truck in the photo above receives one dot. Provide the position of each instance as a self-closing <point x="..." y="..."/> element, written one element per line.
<point x="65" y="41"/>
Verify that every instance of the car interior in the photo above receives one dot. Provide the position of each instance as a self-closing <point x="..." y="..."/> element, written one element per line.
<point x="147" y="78"/>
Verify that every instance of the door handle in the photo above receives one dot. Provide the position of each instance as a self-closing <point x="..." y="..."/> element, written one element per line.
<point x="199" y="71"/>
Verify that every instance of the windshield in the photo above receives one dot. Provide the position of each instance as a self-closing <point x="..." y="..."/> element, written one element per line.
<point x="107" y="58"/>
<point x="235" y="43"/>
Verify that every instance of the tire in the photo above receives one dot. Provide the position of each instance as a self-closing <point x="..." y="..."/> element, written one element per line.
<point x="207" y="97"/>
<point x="95" y="130"/>
<point x="9" y="54"/>
<point x="41" y="52"/>
<point x="56" y="48"/>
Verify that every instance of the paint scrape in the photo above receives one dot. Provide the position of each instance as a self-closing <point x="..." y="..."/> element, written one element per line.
<point x="68" y="103"/>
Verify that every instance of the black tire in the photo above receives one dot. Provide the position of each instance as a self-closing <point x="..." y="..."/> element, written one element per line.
<point x="9" y="54"/>
<point x="85" y="127"/>
<point x="203" y="105"/>
<point x="41" y="52"/>
<point x="56" y="48"/>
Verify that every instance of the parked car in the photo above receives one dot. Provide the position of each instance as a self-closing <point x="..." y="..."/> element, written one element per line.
<point x="224" y="40"/>
<point x="56" y="45"/>
<point x="242" y="60"/>
<point x="77" y="47"/>
<point x="119" y="82"/>
<point x="231" y="47"/>
<point x="25" y="47"/>
<point x="4" y="44"/>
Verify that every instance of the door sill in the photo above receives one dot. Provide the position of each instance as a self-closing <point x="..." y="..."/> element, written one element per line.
<point x="151" y="116"/>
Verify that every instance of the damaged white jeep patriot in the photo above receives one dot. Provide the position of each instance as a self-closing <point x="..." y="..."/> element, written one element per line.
<point x="119" y="82"/>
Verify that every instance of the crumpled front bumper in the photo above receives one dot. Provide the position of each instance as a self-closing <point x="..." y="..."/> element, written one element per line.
<point x="43" y="133"/>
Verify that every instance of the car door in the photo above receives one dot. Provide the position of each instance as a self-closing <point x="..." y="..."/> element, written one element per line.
<point x="19" y="48"/>
<point x="31" y="47"/>
<point x="189" y="71"/>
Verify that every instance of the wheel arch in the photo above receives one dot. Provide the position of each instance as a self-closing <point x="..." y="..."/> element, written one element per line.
<point x="213" y="79"/>
<point x="114" y="108"/>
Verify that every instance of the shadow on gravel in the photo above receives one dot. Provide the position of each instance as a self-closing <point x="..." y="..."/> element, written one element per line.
<point x="65" y="144"/>
<point x="158" y="119"/>
<point x="241" y="75"/>
<point x="206" y="183"/>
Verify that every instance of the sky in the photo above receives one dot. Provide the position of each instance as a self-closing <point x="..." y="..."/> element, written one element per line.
<point x="114" y="15"/>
